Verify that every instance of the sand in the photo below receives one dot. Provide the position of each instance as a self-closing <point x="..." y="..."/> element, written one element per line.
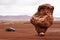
<point x="26" y="31"/>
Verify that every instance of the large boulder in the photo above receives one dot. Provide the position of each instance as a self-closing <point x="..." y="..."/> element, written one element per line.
<point x="43" y="18"/>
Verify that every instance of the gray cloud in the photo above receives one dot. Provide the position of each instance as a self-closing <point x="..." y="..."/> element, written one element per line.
<point x="7" y="2"/>
<point x="19" y="2"/>
<point x="18" y="7"/>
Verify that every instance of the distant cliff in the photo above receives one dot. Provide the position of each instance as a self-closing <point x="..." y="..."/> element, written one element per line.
<point x="15" y="17"/>
<point x="20" y="17"/>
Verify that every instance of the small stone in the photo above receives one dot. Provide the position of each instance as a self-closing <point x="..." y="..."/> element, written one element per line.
<point x="10" y="29"/>
<point x="42" y="34"/>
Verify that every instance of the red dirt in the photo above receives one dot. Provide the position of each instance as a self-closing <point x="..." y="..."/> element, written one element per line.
<point x="25" y="31"/>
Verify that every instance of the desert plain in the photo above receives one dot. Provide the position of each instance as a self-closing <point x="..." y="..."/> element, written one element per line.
<point x="26" y="31"/>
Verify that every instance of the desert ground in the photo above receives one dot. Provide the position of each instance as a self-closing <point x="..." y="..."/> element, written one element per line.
<point x="25" y="31"/>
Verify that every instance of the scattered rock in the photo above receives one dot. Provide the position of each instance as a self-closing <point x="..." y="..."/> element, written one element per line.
<point x="10" y="29"/>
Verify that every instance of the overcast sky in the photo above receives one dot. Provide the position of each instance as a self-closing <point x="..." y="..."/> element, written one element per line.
<point x="26" y="7"/>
